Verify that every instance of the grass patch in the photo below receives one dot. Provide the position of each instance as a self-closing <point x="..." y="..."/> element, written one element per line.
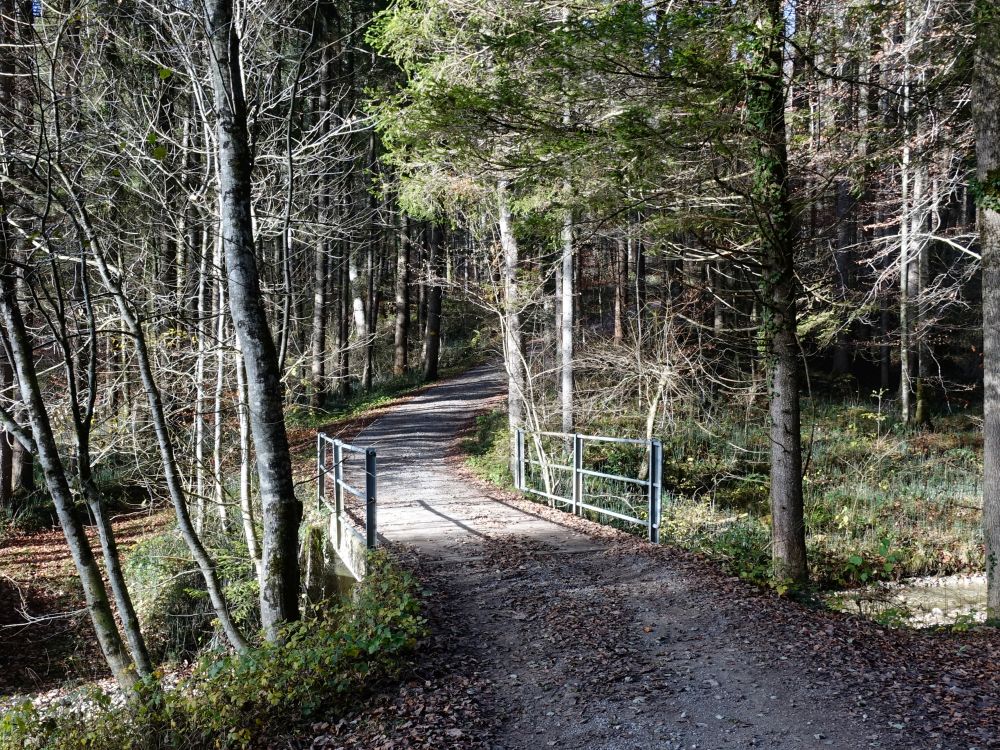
<point x="487" y="448"/>
<point x="882" y="502"/>
<point x="234" y="701"/>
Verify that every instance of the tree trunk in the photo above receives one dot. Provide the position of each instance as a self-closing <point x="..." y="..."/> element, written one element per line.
<point x="344" y="329"/>
<point x="401" y="339"/>
<point x="432" y="335"/>
<point x="566" y="340"/>
<point x="621" y="289"/>
<point x="513" y="348"/>
<point x="7" y="440"/>
<point x="279" y="589"/>
<point x="317" y="370"/>
<point x="986" y="116"/>
<point x="56" y="481"/>
<point x="775" y="219"/>
<point x="846" y="238"/>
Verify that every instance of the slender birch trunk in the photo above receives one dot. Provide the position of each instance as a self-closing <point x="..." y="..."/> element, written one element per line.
<point x="566" y="325"/>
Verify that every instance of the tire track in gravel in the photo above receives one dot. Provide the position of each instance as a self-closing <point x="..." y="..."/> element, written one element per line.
<point x="584" y="637"/>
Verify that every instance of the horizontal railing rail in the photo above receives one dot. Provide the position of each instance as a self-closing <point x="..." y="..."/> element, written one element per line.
<point x="577" y="498"/>
<point x="330" y="464"/>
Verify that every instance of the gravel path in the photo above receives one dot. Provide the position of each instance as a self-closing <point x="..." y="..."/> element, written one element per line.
<point x="572" y="635"/>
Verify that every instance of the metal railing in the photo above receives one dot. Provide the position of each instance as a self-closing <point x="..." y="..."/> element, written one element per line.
<point x="345" y="534"/>
<point x="577" y="499"/>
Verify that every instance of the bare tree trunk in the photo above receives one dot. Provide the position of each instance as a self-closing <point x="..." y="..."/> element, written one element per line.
<point x="220" y="375"/>
<point x="318" y="339"/>
<point x="986" y="116"/>
<point x="246" y="457"/>
<point x="905" y="250"/>
<point x="56" y="481"/>
<point x="513" y="348"/>
<point x="566" y="341"/>
<point x="279" y="589"/>
<point x="621" y="289"/>
<point x="7" y="441"/>
<point x="401" y="338"/>
<point x="201" y="314"/>
<point x="344" y="330"/>
<point x="842" y="261"/>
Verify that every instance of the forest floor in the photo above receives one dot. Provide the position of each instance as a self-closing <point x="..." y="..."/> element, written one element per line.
<point x="551" y="631"/>
<point x="46" y="637"/>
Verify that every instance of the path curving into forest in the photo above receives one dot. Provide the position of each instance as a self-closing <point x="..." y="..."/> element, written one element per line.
<point x="562" y="633"/>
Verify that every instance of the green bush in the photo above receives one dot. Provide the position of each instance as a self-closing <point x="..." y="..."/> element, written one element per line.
<point x="230" y="701"/>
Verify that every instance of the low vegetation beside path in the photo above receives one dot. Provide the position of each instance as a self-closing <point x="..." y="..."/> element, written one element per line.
<point x="883" y="502"/>
<point x="322" y="665"/>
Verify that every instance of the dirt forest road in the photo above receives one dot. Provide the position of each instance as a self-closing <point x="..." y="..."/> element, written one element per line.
<point x="555" y="632"/>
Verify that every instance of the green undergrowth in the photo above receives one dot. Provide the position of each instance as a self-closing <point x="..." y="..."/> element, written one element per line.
<point x="170" y="597"/>
<point x="487" y="447"/>
<point x="322" y="667"/>
<point x="882" y="502"/>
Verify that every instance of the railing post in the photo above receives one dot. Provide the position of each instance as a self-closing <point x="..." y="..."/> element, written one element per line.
<point x="371" y="483"/>
<point x="338" y="490"/>
<point x="655" y="489"/>
<point x="577" y="473"/>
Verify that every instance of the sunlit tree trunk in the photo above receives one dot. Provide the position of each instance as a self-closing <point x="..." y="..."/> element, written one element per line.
<point x="279" y="589"/>
<point x="513" y="348"/>
<point x="401" y="341"/>
<point x="986" y="115"/>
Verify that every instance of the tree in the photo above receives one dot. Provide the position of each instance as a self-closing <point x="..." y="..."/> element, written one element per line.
<point x="772" y="207"/>
<point x="279" y="585"/>
<point x="986" y="108"/>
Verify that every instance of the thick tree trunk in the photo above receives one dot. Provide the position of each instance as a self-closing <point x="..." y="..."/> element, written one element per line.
<point x="986" y="116"/>
<point x="775" y="219"/>
<point x="279" y="589"/>
<point x="401" y="340"/>
<point x="513" y="348"/>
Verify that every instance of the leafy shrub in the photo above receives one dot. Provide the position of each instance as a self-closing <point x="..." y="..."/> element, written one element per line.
<point x="232" y="700"/>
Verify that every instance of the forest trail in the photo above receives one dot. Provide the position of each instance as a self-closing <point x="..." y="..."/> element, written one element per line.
<point x="578" y="636"/>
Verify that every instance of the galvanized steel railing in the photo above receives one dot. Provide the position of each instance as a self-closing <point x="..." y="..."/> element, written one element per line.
<point x="577" y="500"/>
<point x="327" y="448"/>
